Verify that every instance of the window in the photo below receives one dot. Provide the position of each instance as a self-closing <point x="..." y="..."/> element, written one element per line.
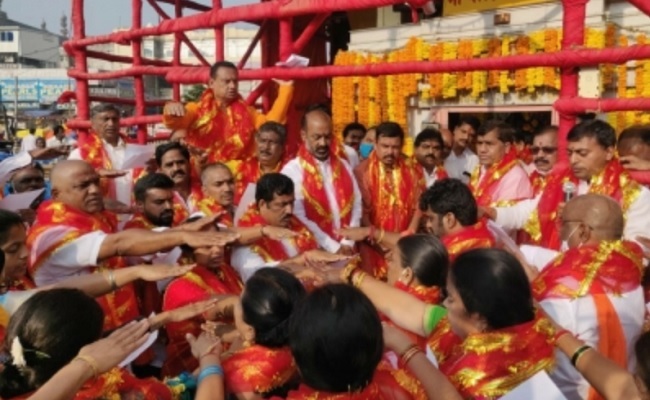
<point x="6" y="36"/>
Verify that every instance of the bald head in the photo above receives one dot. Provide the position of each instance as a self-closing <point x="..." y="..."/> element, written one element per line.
<point x="317" y="133"/>
<point x="601" y="214"/>
<point x="76" y="183"/>
<point x="218" y="183"/>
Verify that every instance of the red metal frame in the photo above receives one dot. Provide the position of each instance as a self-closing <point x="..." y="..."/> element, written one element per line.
<point x="571" y="57"/>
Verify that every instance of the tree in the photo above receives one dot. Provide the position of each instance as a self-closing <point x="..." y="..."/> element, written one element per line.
<point x="194" y="93"/>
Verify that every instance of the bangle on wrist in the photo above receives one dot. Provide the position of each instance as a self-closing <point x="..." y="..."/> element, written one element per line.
<point x="347" y="272"/>
<point x="578" y="353"/>
<point x="110" y="276"/>
<point x="408" y="354"/>
<point x="211" y="370"/>
<point x="357" y="278"/>
<point x="90" y="362"/>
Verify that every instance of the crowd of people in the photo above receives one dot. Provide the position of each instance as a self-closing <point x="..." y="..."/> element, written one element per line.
<point x="227" y="268"/>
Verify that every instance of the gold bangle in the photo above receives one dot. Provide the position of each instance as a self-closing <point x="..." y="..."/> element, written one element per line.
<point x="408" y="354"/>
<point x="346" y="273"/>
<point x="91" y="362"/>
<point x="381" y="235"/>
<point x="111" y="280"/>
<point x="357" y="279"/>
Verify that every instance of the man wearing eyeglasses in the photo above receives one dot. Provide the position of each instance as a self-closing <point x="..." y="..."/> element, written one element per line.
<point x="544" y="153"/>
<point x="593" y="168"/>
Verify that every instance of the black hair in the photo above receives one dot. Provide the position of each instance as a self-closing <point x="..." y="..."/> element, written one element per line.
<point x="547" y="129"/>
<point x="521" y="136"/>
<point x="162" y="149"/>
<point x="389" y="129"/>
<point x="52" y="326"/>
<point x="277" y="128"/>
<point x="151" y="181"/>
<point x="268" y="300"/>
<point x="8" y="220"/>
<point x="428" y="134"/>
<point x="636" y="132"/>
<point x="603" y="132"/>
<point x="271" y="185"/>
<point x="221" y="64"/>
<point x="314" y="108"/>
<point x="427" y="257"/>
<point x="102" y="108"/>
<point x="336" y="339"/>
<point x="57" y="128"/>
<point x="493" y="284"/>
<point x="469" y="120"/>
<point x="353" y="126"/>
<point x="505" y="132"/>
<point x="451" y="196"/>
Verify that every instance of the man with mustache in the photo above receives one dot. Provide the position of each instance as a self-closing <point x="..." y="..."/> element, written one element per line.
<point x="327" y="195"/>
<point x="390" y="189"/>
<point x="593" y="168"/>
<point x="270" y="141"/>
<point x="174" y="161"/>
<point x="544" y="153"/>
<point x="273" y="207"/>
<point x="500" y="178"/>
<point x="428" y="155"/>
<point x="462" y="160"/>
<point x="105" y="148"/>
<point x="154" y="202"/>
<point x="221" y="122"/>
<point x="74" y="234"/>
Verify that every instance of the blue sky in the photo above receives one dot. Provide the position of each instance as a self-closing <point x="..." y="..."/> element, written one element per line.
<point x="102" y="16"/>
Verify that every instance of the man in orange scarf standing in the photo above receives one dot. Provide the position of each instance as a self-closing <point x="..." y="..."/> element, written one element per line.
<point x="73" y="234"/>
<point x="327" y="195"/>
<point x="500" y="178"/>
<point x="593" y="168"/>
<point x="593" y="289"/>
<point x="390" y="189"/>
<point x="105" y="149"/>
<point x="221" y="123"/>
<point x="544" y="152"/>
<point x="270" y="141"/>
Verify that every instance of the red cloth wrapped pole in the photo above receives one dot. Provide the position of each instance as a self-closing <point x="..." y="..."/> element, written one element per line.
<point x="642" y="5"/>
<point x="579" y="105"/>
<point x="138" y="81"/>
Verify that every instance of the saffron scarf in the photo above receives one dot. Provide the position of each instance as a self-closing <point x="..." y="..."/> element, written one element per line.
<point x="315" y="198"/>
<point x="483" y="186"/>
<point x="477" y="236"/>
<point x="613" y="181"/>
<point x="258" y="369"/>
<point x="119" y="306"/>
<point x="248" y="172"/>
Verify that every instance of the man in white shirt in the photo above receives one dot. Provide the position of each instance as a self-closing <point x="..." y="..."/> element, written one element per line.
<point x="28" y="143"/>
<point x="327" y="194"/>
<point x="593" y="289"/>
<point x="58" y="137"/>
<point x="462" y="161"/>
<point x="428" y="154"/>
<point x="274" y="205"/>
<point x="594" y="169"/>
<point x="105" y="149"/>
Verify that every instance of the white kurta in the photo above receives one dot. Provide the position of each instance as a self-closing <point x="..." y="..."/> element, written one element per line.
<point x="123" y="184"/>
<point x="9" y="165"/>
<point x="459" y="167"/>
<point x="294" y="171"/>
<point x="246" y="262"/>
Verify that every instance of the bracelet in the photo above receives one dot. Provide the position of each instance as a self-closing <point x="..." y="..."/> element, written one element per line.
<point x="559" y="333"/>
<point x="211" y="370"/>
<point x="346" y="273"/>
<point x="91" y="362"/>
<point x="409" y="353"/>
<point x="357" y="278"/>
<point x="111" y="280"/>
<point x="578" y="353"/>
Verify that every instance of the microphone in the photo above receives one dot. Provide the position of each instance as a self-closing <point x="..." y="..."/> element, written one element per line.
<point x="569" y="190"/>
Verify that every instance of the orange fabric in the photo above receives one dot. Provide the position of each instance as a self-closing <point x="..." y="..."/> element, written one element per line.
<point x="538" y="182"/>
<point x="258" y="369"/>
<point x="119" y="306"/>
<point x="247" y="172"/>
<point x="613" y="181"/>
<point x="273" y="250"/>
<point x="138" y="221"/>
<point x="387" y="384"/>
<point x="117" y="383"/>
<point x="477" y="236"/>
<point x="198" y="285"/>
<point x="226" y="135"/>
<point x="481" y="366"/>
<point x="483" y="186"/>
<point x="209" y="206"/>
<point x="182" y="208"/>
<point x="315" y="198"/>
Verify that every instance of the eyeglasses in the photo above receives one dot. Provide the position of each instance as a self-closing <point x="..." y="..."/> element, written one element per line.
<point x="545" y="149"/>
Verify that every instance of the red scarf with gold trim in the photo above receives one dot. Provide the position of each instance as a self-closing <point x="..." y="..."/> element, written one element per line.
<point x="226" y="133"/>
<point x="258" y="369"/>
<point x="182" y="208"/>
<point x="477" y="236"/>
<point x="139" y="221"/>
<point x="209" y="206"/>
<point x="273" y="250"/>
<point x="614" y="182"/>
<point x="248" y="172"/>
<point x="313" y="190"/>
<point x="483" y="186"/>
<point x="119" y="306"/>
<point x="537" y="181"/>
<point x="481" y="366"/>
<point x="427" y="294"/>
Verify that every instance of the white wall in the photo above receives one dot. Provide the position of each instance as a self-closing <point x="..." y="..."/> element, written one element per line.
<point x="41" y="46"/>
<point x="9" y="47"/>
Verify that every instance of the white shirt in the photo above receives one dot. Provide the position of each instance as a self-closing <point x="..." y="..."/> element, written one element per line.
<point x="54" y="142"/>
<point x="28" y="143"/>
<point x="123" y="184"/>
<point x="353" y="156"/>
<point x="457" y="166"/>
<point x="637" y="217"/>
<point x="294" y="171"/>
<point x="429" y="178"/>
<point x="246" y="262"/>
<point x="10" y="164"/>
<point x="75" y="258"/>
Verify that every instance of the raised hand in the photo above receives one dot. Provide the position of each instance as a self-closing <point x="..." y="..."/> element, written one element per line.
<point x="111" y="173"/>
<point x="635" y="163"/>
<point x="324" y="257"/>
<point x="181" y="313"/>
<point x="209" y="239"/>
<point x="153" y="273"/>
<point x="204" y="344"/>
<point x="174" y="109"/>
